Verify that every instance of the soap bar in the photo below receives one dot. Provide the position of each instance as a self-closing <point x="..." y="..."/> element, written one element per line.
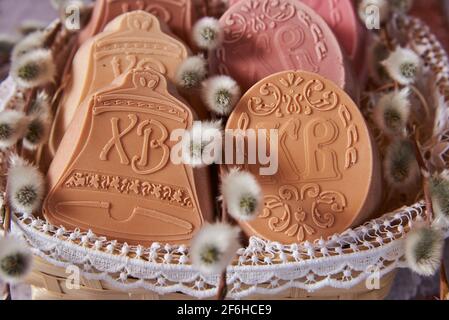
<point x="341" y="17"/>
<point x="112" y="173"/>
<point x="131" y="40"/>
<point x="264" y="37"/>
<point x="179" y="15"/>
<point x="328" y="176"/>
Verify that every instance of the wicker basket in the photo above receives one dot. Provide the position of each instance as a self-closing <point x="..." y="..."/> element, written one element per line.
<point x="49" y="283"/>
<point x="378" y="242"/>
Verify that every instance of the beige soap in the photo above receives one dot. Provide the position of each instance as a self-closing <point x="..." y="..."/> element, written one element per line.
<point x="132" y="40"/>
<point x="112" y="173"/>
<point x="329" y="176"/>
<point x="179" y="15"/>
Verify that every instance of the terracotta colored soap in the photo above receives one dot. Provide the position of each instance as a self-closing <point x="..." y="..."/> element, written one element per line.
<point x="328" y="177"/>
<point x="340" y="15"/>
<point x="113" y="174"/>
<point x="179" y="15"/>
<point x="134" y="39"/>
<point x="264" y="37"/>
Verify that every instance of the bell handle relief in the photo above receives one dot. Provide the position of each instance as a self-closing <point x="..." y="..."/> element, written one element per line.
<point x="139" y="21"/>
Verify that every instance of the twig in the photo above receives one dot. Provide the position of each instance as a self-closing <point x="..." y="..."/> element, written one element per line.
<point x="422" y="99"/>
<point x="222" y="285"/>
<point x="56" y="101"/>
<point x="52" y="36"/>
<point x="444" y="284"/>
<point x="29" y="100"/>
<point x="206" y="8"/>
<point x="386" y="86"/>
<point x="387" y="38"/>
<point x="7" y="221"/>
<point x="6" y="231"/>
<point x="425" y="173"/>
<point x="30" y="96"/>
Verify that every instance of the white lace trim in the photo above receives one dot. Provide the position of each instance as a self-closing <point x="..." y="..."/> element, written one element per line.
<point x="263" y="267"/>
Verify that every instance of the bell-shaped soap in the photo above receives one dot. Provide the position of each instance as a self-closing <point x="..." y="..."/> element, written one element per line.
<point x="112" y="173"/>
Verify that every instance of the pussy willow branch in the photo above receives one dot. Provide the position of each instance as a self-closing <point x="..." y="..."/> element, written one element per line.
<point x="29" y="100"/>
<point x="444" y="284"/>
<point x="6" y="231"/>
<point x="386" y="34"/>
<point x="423" y="100"/>
<point x="205" y="7"/>
<point x="30" y="97"/>
<point x="56" y="101"/>
<point x="222" y="285"/>
<point x="425" y="172"/>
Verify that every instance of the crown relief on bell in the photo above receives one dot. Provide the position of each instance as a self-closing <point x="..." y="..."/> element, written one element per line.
<point x="178" y="15"/>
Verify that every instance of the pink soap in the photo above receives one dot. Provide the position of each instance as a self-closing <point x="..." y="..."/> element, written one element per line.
<point x="340" y="15"/>
<point x="268" y="36"/>
<point x="342" y="18"/>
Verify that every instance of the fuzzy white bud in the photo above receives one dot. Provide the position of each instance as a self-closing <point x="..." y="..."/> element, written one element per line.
<point x="16" y="259"/>
<point x="192" y="72"/>
<point x="214" y="247"/>
<point x="33" y="69"/>
<point x="202" y="144"/>
<point x="392" y="112"/>
<point x="242" y="195"/>
<point x="221" y="94"/>
<point x="439" y="191"/>
<point x="401" y="168"/>
<point x="13" y="126"/>
<point x="37" y="131"/>
<point x="403" y="65"/>
<point x="424" y="250"/>
<point x="207" y="33"/>
<point x="32" y="41"/>
<point x="26" y="186"/>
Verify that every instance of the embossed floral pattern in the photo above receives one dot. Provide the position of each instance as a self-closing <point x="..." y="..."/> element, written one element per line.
<point x="296" y="221"/>
<point x="292" y="95"/>
<point x="129" y="186"/>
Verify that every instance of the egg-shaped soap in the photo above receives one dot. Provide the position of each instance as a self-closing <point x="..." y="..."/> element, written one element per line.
<point x="269" y="36"/>
<point x="328" y="171"/>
